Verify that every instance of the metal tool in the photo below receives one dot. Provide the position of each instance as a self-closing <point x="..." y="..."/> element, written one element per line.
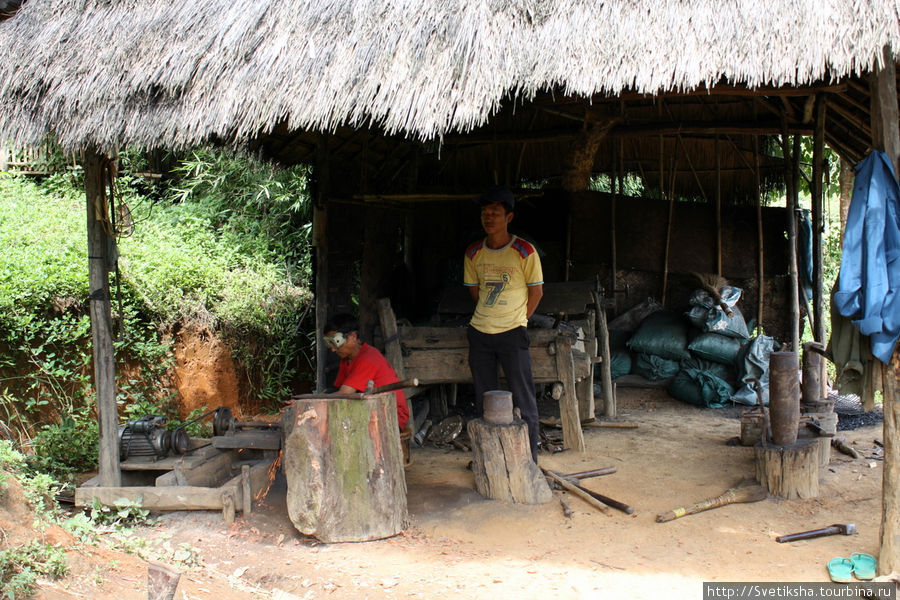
<point x="843" y="528"/>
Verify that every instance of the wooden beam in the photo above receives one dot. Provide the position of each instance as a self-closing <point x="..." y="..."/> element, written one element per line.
<point x="99" y="233"/>
<point x="768" y="127"/>
<point x="886" y="137"/>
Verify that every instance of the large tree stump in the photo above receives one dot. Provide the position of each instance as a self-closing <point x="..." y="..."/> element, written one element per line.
<point x="344" y="467"/>
<point x="790" y="471"/>
<point x="502" y="463"/>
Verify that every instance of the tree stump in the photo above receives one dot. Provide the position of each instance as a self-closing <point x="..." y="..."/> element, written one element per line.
<point x="502" y="463"/>
<point x="344" y="467"/>
<point x="790" y="471"/>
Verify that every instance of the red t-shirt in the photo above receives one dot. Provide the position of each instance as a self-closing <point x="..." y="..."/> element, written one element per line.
<point x="370" y="365"/>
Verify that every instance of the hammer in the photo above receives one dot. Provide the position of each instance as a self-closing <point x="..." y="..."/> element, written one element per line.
<point x="844" y="528"/>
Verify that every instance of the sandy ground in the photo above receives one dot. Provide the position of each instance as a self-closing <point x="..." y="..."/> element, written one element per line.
<point x="461" y="545"/>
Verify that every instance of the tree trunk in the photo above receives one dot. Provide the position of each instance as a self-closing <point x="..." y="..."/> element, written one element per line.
<point x="502" y="463"/>
<point x="344" y="468"/>
<point x="789" y="471"/>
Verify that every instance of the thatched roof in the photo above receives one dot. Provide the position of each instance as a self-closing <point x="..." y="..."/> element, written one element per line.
<point x="157" y="73"/>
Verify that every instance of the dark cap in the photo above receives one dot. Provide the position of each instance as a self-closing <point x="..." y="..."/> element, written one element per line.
<point x="501" y="195"/>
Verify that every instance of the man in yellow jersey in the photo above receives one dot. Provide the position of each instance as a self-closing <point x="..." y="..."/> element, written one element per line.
<point x="503" y="274"/>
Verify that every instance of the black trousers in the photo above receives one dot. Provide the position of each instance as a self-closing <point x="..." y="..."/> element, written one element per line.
<point x="510" y="350"/>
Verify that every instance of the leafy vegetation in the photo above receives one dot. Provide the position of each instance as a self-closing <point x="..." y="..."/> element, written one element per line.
<point x="222" y="243"/>
<point x="21" y="566"/>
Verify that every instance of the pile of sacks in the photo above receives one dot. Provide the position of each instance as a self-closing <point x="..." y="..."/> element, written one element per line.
<point x="707" y="353"/>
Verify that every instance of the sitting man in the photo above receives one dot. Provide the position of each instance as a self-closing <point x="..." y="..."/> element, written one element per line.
<point x="360" y="363"/>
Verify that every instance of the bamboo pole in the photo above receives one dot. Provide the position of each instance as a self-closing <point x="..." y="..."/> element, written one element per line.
<point x="99" y="234"/>
<point x="886" y="137"/>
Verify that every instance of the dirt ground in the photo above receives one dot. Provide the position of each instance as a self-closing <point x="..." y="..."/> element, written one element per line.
<point x="460" y="545"/>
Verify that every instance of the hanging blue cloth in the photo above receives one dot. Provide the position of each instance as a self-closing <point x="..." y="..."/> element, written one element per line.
<point x="868" y="290"/>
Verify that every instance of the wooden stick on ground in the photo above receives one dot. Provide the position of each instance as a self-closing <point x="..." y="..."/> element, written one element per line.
<point x="571" y="487"/>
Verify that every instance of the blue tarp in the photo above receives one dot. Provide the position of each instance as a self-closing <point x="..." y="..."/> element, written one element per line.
<point x="868" y="290"/>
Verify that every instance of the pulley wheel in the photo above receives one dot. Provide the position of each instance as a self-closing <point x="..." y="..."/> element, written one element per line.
<point x="222" y="421"/>
<point x="181" y="442"/>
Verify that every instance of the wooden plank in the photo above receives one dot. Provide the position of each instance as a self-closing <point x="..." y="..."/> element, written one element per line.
<point x="573" y="437"/>
<point x="455" y="337"/>
<point x="101" y="318"/>
<point x="168" y="463"/>
<point x="570" y="297"/>
<point x="259" y="440"/>
<point x="609" y="392"/>
<point x="452" y="366"/>
<point x="210" y="473"/>
<point x="179" y="497"/>
<point x="392" y="350"/>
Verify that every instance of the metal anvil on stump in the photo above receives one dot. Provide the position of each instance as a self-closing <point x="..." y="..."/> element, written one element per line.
<point x="344" y="467"/>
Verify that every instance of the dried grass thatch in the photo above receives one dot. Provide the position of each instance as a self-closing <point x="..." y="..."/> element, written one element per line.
<point x="154" y="73"/>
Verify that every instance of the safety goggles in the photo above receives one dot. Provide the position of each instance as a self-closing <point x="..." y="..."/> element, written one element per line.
<point x="333" y="342"/>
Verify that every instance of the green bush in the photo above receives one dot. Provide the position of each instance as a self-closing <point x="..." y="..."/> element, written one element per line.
<point x="223" y="243"/>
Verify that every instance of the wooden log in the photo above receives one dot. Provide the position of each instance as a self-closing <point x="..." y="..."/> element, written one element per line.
<point x="344" y="468"/>
<point x="573" y="437"/>
<point x="161" y="582"/>
<point x="502" y="464"/>
<point x="789" y="471"/>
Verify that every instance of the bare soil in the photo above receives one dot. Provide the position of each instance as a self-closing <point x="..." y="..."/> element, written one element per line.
<point x="460" y="545"/>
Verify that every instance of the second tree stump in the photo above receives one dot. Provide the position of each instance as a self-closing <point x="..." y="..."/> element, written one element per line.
<point x="502" y="463"/>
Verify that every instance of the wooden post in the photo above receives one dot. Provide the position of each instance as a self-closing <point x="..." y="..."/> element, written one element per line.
<point x="817" y="193"/>
<point x="760" y="303"/>
<point x="609" y="392"/>
<point x="573" y="436"/>
<point x="792" y="237"/>
<point x="343" y="463"/>
<point x="718" y="208"/>
<point x="886" y="137"/>
<point x="99" y="240"/>
<point x="320" y="243"/>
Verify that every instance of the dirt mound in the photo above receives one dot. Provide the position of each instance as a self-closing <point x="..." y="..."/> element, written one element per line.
<point x="205" y="372"/>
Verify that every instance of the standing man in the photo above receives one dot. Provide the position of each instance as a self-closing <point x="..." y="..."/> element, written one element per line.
<point x="360" y="363"/>
<point x="504" y="276"/>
